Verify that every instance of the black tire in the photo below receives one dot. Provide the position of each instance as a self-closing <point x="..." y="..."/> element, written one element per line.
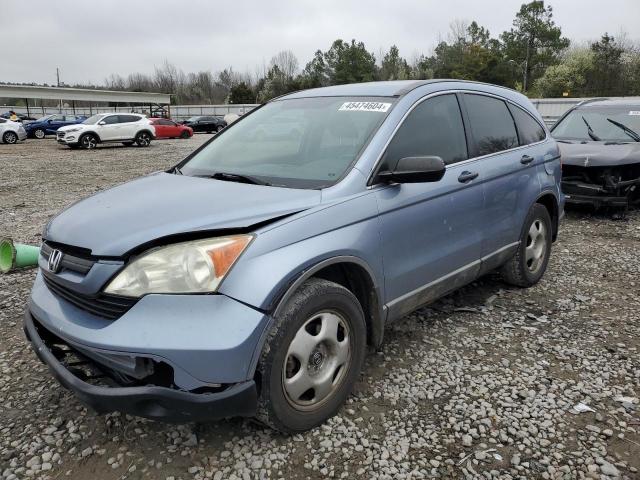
<point x="10" y="137"/>
<point x="184" y="134"/>
<point x="39" y="133"/>
<point x="315" y="299"/>
<point x="219" y="128"/>
<point x="525" y="269"/>
<point x="143" y="139"/>
<point x="88" y="141"/>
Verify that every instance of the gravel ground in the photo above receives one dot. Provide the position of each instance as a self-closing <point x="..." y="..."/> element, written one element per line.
<point x="482" y="384"/>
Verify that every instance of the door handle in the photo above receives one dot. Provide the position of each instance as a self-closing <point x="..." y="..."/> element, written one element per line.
<point x="526" y="159"/>
<point x="467" y="176"/>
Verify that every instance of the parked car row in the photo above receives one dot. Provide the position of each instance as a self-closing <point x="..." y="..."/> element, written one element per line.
<point x="77" y="131"/>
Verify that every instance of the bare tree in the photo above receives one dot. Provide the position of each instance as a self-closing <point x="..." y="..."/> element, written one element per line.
<point x="286" y="62"/>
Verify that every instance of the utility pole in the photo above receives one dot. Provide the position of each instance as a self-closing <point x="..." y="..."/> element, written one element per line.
<point x="526" y="66"/>
<point x="58" y="84"/>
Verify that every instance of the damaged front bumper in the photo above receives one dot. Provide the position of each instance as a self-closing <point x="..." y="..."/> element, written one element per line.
<point x="602" y="186"/>
<point x="150" y="401"/>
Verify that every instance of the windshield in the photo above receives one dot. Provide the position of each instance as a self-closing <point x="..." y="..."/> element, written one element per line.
<point x="297" y="143"/>
<point x="92" y="120"/>
<point x="606" y="123"/>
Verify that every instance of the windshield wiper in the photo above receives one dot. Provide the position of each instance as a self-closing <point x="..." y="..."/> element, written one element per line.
<point x="234" y="177"/>
<point x="630" y="132"/>
<point x="590" y="130"/>
<point x="177" y="171"/>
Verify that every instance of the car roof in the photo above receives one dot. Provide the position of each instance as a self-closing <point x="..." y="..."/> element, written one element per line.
<point x="391" y="88"/>
<point x="608" y="102"/>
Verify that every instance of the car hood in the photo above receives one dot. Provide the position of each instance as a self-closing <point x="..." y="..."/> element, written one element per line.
<point x="116" y="221"/>
<point x="597" y="154"/>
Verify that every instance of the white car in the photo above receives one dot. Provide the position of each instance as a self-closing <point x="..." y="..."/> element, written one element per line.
<point x="11" y="132"/>
<point x="127" y="128"/>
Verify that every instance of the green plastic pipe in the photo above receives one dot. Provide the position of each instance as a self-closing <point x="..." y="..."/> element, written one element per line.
<point x="17" y="255"/>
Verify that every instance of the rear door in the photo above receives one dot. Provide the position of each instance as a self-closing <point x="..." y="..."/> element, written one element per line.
<point x="128" y="127"/>
<point x="431" y="232"/>
<point x="509" y="175"/>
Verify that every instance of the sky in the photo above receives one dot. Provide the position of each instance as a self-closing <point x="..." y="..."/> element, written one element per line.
<point x="91" y="39"/>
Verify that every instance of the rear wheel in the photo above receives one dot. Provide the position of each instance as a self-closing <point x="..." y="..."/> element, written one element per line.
<point x="143" y="139"/>
<point x="184" y="134"/>
<point x="528" y="265"/>
<point x="88" y="141"/>
<point x="311" y="358"/>
<point x="219" y="128"/>
<point x="39" y="133"/>
<point x="10" y="137"/>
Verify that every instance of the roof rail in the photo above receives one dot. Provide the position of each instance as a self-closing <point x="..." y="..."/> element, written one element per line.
<point x="591" y="100"/>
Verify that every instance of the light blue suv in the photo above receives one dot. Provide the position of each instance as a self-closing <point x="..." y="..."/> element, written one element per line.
<point x="249" y="279"/>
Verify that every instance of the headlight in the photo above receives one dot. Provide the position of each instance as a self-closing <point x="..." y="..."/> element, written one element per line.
<point x="189" y="267"/>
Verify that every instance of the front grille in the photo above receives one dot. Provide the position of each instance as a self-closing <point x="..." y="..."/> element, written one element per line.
<point x="69" y="261"/>
<point x="102" y="305"/>
<point x="60" y="134"/>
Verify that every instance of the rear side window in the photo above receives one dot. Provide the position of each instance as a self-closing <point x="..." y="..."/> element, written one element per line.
<point x="529" y="130"/>
<point x="433" y="128"/>
<point x="491" y="124"/>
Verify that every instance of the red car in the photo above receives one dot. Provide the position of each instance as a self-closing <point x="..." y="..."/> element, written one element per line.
<point x="166" y="128"/>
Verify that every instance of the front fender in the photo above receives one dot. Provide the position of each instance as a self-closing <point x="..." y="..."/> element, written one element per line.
<point x="282" y="253"/>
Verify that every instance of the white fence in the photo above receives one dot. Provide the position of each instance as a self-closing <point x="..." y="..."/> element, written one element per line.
<point x="550" y="108"/>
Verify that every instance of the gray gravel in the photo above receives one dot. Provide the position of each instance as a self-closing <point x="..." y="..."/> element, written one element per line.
<point x="486" y="383"/>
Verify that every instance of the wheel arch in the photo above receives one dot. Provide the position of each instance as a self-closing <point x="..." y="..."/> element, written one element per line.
<point x="91" y="132"/>
<point x="145" y="130"/>
<point x="549" y="200"/>
<point x="355" y="275"/>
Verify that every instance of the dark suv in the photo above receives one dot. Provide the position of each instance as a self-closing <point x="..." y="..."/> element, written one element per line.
<point x="208" y="124"/>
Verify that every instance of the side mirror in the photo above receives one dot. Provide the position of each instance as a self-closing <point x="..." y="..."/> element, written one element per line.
<point x="102" y="123"/>
<point x="415" y="170"/>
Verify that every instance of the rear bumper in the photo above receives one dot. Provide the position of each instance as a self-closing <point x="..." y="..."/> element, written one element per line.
<point x="159" y="403"/>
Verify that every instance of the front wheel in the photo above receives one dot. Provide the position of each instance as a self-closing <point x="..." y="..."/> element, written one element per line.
<point x="39" y="133"/>
<point x="311" y="358"/>
<point x="143" y="139"/>
<point x="528" y="265"/>
<point x="10" y="137"/>
<point x="89" y="141"/>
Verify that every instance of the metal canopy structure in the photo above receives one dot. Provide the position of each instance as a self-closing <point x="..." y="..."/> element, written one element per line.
<point x="73" y="95"/>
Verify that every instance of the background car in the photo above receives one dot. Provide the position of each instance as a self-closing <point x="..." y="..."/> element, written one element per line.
<point x="166" y="128"/>
<point x="600" y="145"/>
<point x="206" y="124"/>
<point x="49" y="124"/>
<point x="21" y="116"/>
<point x="11" y="132"/>
<point x="126" y="128"/>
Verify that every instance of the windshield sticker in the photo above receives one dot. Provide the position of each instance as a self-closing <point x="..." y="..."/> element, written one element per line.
<point x="365" y="107"/>
<point x="634" y="112"/>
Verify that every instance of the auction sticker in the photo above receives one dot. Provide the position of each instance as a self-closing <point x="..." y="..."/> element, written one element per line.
<point x="365" y="107"/>
<point x="634" y="112"/>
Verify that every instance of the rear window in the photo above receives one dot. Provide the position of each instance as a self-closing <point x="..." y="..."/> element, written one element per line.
<point x="492" y="125"/>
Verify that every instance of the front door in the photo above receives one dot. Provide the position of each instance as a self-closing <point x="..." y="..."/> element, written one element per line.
<point x="431" y="232"/>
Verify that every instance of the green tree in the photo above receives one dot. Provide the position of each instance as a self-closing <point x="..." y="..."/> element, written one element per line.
<point x="606" y="77"/>
<point x="241" y="93"/>
<point x="393" y="66"/>
<point x="568" y="77"/>
<point x="315" y="73"/>
<point x="535" y="42"/>
<point x="349" y="63"/>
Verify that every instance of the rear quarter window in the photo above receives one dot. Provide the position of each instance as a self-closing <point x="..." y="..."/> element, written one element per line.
<point x="529" y="130"/>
